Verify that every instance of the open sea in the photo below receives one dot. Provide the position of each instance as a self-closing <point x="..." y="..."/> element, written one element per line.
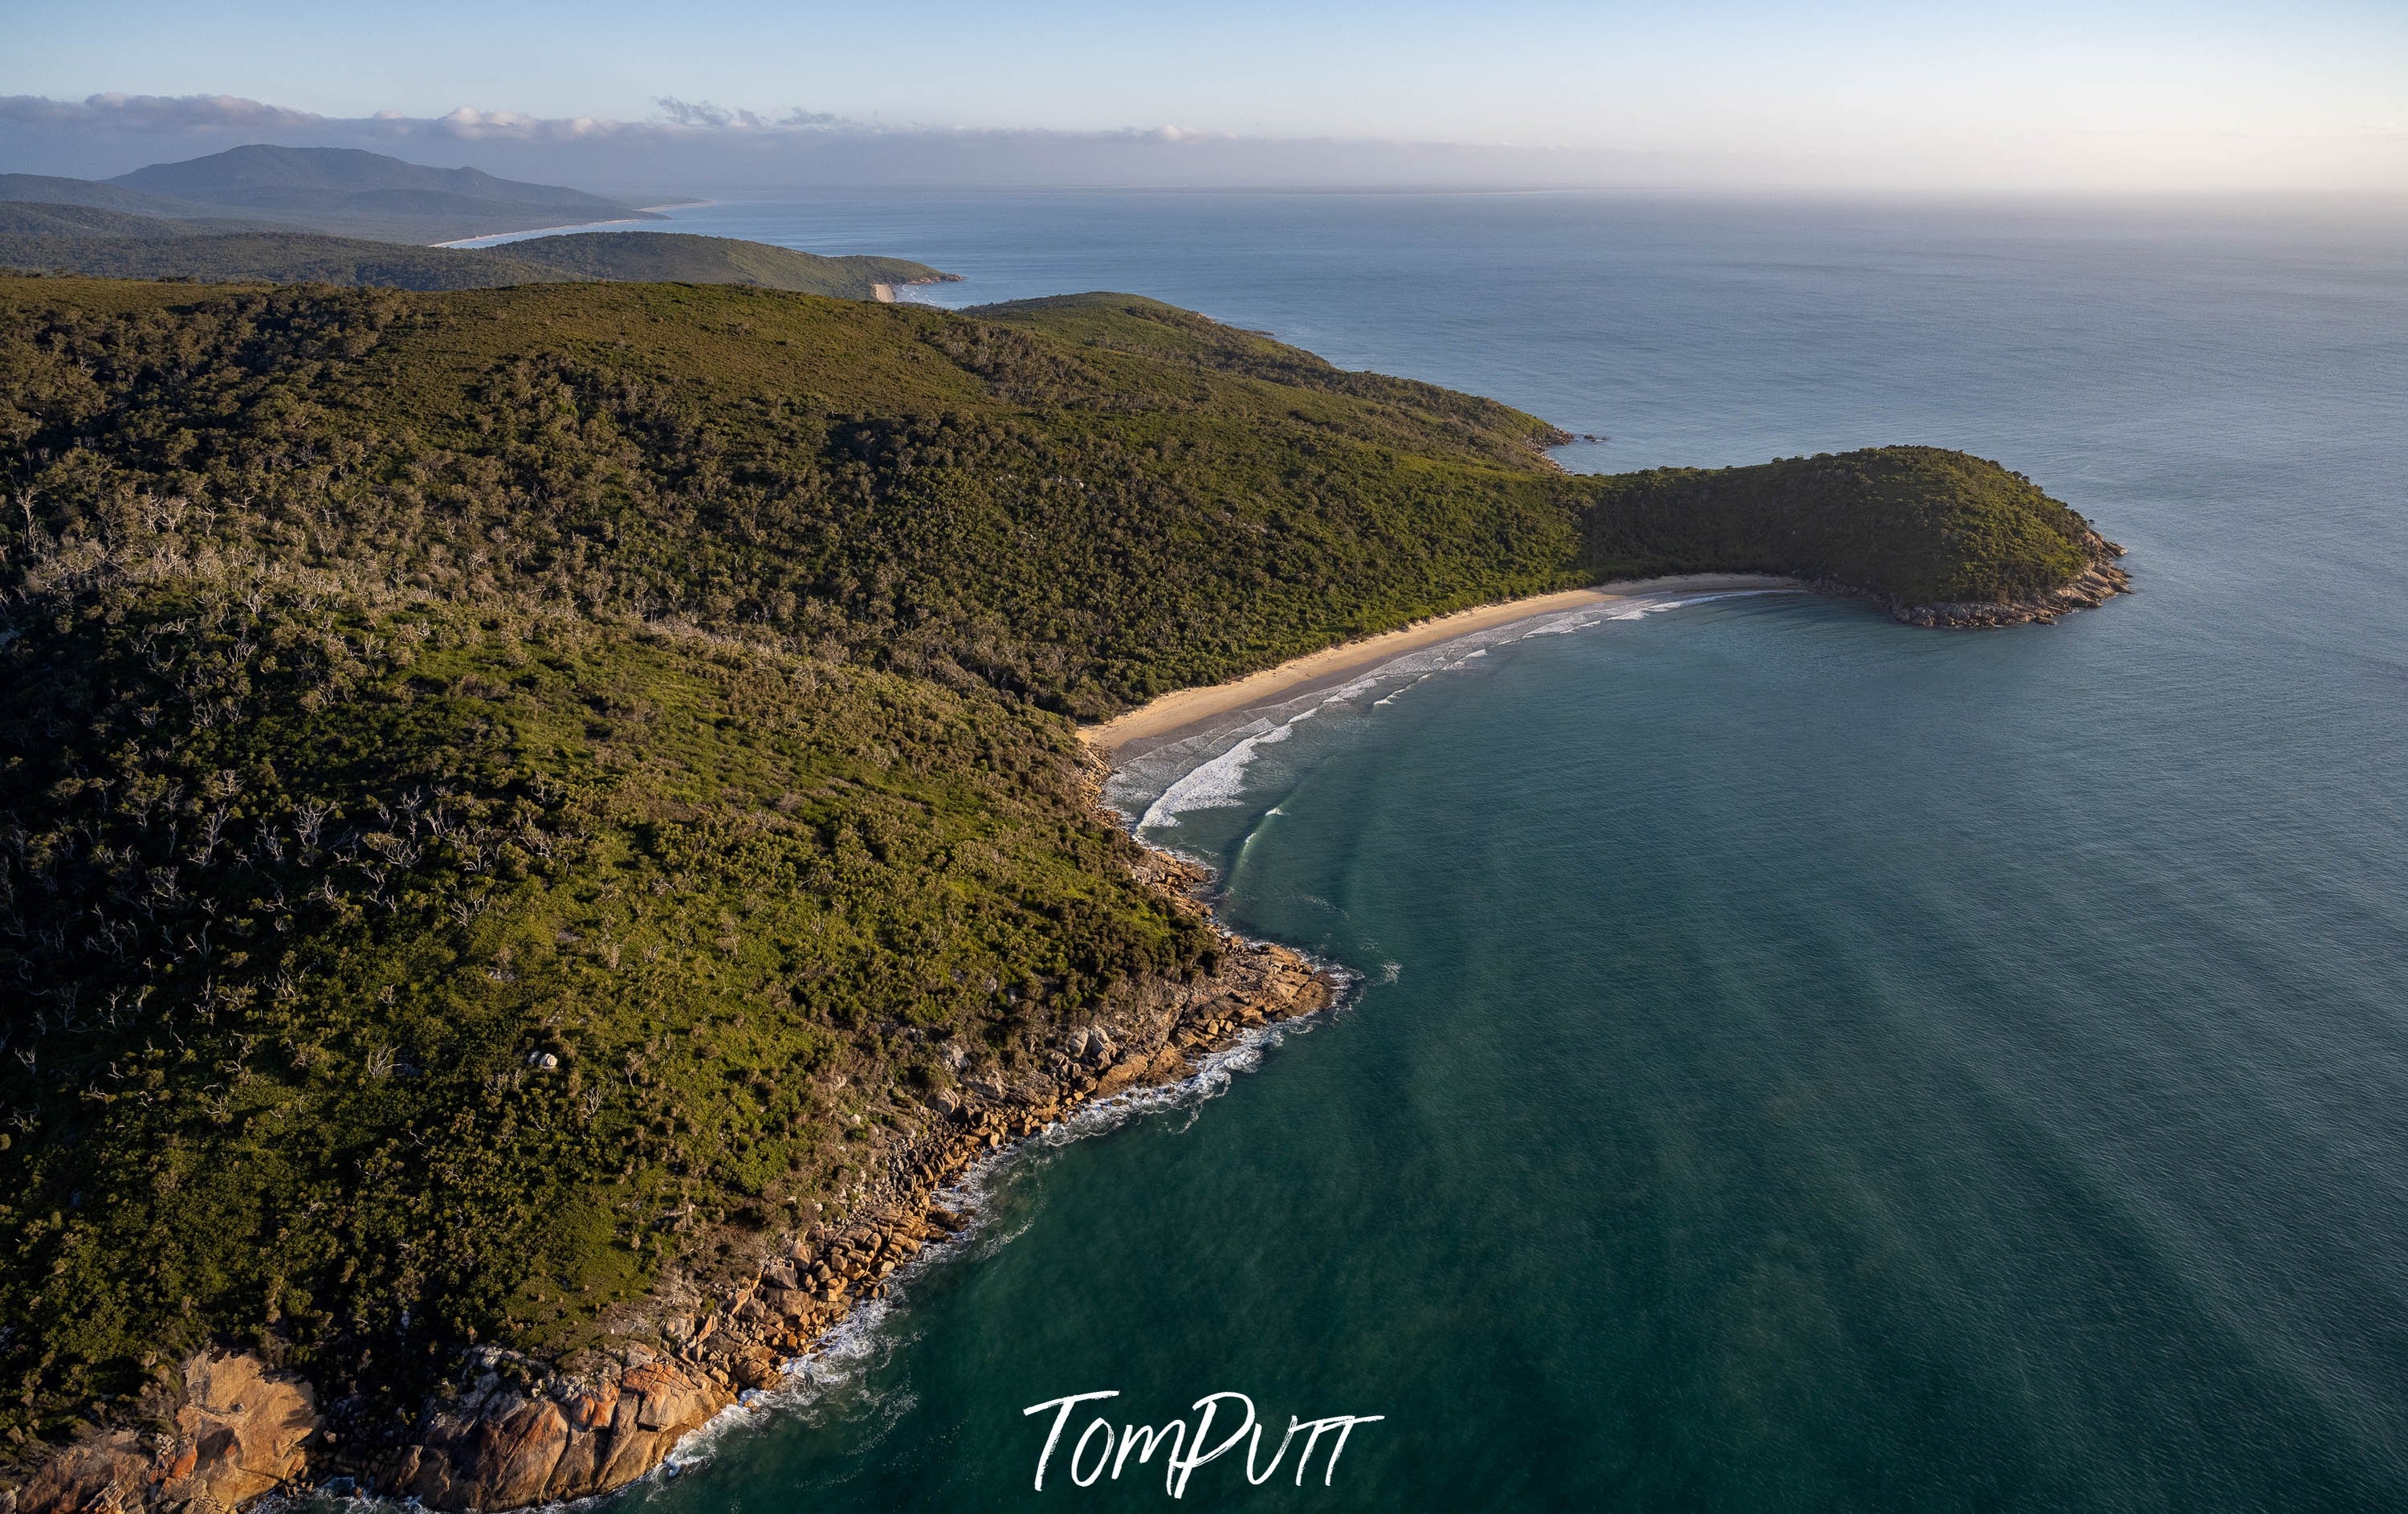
<point x="1800" y="1061"/>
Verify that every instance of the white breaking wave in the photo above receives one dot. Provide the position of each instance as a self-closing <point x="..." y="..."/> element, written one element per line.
<point x="1219" y="781"/>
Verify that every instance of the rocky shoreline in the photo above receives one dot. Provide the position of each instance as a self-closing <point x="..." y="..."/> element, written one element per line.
<point x="513" y="1431"/>
<point x="2096" y="585"/>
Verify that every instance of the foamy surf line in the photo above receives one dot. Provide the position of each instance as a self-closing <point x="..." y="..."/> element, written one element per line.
<point x="1172" y="716"/>
<point x="1207" y="768"/>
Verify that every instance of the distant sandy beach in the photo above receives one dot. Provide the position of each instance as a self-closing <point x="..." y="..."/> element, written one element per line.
<point x="1177" y="711"/>
<point x="646" y="214"/>
<point x="537" y="231"/>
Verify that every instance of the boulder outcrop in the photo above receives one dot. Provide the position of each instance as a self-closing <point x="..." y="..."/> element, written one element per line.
<point x="238" y="1432"/>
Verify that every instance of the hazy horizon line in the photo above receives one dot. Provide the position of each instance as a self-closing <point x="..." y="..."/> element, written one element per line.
<point x="700" y="147"/>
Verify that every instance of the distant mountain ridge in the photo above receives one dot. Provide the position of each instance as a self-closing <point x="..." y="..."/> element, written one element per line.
<point x="263" y="175"/>
<point x="342" y="216"/>
<point x="341" y="192"/>
<point x="50" y="189"/>
<point x="21" y="218"/>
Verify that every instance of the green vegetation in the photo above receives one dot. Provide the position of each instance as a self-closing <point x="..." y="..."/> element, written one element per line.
<point x="111" y="244"/>
<point x="1915" y="524"/>
<point x="680" y="257"/>
<point x="50" y="189"/>
<point x="19" y="218"/>
<point x="146" y="246"/>
<point x="396" y="691"/>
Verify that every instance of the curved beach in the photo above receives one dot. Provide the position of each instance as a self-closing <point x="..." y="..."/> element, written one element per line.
<point x="1182" y="709"/>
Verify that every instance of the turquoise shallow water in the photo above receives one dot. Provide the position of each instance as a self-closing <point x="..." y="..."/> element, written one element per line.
<point x="1801" y="1062"/>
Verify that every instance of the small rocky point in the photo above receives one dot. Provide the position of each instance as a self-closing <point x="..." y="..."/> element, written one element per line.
<point x="2096" y="585"/>
<point x="514" y="1431"/>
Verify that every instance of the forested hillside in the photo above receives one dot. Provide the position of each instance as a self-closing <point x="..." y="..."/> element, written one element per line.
<point x="680" y="257"/>
<point x="42" y="238"/>
<point x="497" y="787"/>
<point x="46" y="238"/>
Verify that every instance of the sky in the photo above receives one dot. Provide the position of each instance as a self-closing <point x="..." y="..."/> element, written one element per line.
<point x="1866" y="94"/>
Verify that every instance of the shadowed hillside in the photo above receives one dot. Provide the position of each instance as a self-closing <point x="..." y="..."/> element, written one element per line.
<point x="352" y="192"/>
<point x="679" y="257"/>
<point x="339" y="192"/>
<point x="50" y="189"/>
<point x="1915" y="526"/>
<point x="58" y="239"/>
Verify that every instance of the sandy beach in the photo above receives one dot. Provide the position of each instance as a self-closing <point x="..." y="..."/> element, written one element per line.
<point x="490" y="238"/>
<point x="1177" y="711"/>
<point x="645" y="213"/>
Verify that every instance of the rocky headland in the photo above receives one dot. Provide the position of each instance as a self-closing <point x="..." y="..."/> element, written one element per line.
<point x="2094" y="586"/>
<point x="511" y="1431"/>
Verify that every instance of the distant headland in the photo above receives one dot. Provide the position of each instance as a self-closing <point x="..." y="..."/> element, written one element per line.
<point x="342" y="216"/>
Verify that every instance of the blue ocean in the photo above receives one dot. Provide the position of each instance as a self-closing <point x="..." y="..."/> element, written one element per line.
<point x="1797" y="1062"/>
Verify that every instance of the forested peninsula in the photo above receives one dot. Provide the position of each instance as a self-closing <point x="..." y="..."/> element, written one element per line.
<point x="538" y="825"/>
<point x="263" y="214"/>
<point x="108" y="244"/>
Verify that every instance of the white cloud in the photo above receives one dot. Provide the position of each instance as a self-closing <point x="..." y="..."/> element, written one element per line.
<point x="151" y="112"/>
